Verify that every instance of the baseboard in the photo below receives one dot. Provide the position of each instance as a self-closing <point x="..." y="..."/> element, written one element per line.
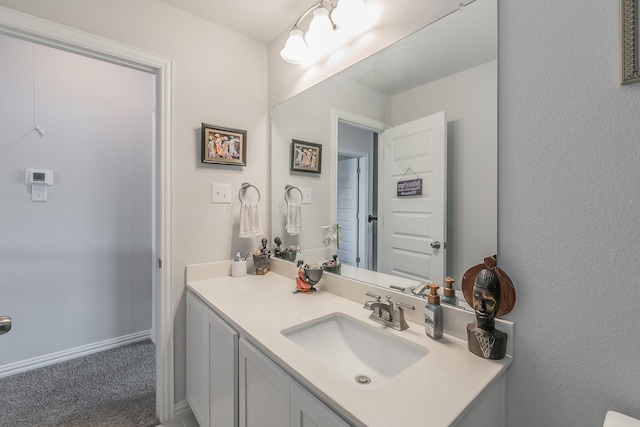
<point x="182" y="409"/>
<point x="61" y="356"/>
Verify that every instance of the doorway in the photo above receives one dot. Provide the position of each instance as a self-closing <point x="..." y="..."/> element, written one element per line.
<point x="20" y="26"/>
<point x="357" y="191"/>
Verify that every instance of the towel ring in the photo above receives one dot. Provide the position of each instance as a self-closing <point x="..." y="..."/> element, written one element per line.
<point x="244" y="187"/>
<point x="288" y="188"/>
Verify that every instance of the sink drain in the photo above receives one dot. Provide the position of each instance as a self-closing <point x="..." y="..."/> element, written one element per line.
<point x="363" y="379"/>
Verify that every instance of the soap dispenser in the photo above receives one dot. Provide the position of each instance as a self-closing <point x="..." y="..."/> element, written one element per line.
<point x="433" y="314"/>
<point x="449" y="296"/>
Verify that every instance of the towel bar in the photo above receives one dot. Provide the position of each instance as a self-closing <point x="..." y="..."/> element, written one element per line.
<point x="243" y="189"/>
<point x="288" y="188"/>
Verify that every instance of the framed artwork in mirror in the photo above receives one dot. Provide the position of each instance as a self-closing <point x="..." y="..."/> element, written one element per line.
<point x="223" y="145"/>
<point x="629" y="40"/>
<point x="305" y="156"/>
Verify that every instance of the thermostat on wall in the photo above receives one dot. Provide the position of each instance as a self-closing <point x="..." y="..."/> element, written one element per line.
<point x="38" y="176"/>
<point x="38" y="179"/>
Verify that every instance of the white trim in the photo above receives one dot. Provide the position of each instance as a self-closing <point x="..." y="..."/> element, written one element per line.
<point x="61" y="356"/>
<point x="31" y="28"/>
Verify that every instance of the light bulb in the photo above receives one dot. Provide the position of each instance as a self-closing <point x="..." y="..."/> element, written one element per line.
<point x="295" y="49"/>
<point x="320" y="28"/>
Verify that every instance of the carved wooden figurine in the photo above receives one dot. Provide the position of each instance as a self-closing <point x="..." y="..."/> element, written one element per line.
<point x="490" y="292"/>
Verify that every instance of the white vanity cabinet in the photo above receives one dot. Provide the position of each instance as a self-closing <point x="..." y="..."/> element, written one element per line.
<point x="212" y="366"/>
<point x="282" y="384"/>
<point x="270" y="397"/>
<point x="231" y="383"/>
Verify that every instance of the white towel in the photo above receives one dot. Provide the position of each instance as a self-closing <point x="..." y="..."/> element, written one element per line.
<point x="249" y="220"/>
<point x="294" y="218"/>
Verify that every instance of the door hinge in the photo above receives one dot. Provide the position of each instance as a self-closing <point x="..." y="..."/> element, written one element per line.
<point x="159" y="263"/>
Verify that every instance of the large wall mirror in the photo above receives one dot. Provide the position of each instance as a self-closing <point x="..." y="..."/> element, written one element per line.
<point x="420" y="114"/>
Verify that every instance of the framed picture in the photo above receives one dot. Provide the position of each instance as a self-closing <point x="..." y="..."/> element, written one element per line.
<point x="629" y="26"/>
<point x="306" y="156"/>
<point x="223" y="145"/>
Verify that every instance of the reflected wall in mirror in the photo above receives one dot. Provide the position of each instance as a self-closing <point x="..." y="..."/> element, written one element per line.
<point x="449" y="70"/>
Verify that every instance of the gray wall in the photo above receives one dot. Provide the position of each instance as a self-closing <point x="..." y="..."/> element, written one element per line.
<point x="569" y="211"/>
<point x="77" y="269"/>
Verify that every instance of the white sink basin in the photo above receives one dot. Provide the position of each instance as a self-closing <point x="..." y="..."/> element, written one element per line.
<point x="356" y="349"/>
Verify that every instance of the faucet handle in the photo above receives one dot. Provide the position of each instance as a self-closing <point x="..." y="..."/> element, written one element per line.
<point x="372" y="295"/>
<point x="403" y="305"/>
<point x="421" y="290"/>
<point x="367" y="304"/>
<point x="400" y="320"/>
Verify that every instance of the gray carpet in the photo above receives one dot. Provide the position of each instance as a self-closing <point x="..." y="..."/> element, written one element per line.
<point x="114" y="388"/>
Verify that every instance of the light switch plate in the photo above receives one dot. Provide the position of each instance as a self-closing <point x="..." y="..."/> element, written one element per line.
<point x="220" y="193"/>
<point x="306" y="195"/>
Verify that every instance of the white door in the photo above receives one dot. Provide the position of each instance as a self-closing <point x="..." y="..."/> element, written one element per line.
<point x="347" y="205"/>
<point x="412" y="227"/>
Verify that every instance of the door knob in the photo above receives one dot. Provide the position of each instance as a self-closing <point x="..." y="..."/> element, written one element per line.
<point x="372" y="218"/>
<point x="435" y="245"/>
<point x="5" y="324"/>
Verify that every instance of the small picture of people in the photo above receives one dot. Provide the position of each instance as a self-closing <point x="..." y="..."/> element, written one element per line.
<point x="305" y="156"/>
<point x="221" y="145"/>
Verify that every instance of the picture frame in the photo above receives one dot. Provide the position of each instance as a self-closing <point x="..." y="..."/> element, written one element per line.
<point x="630" y="48"/>
<point x="306" y="157"/>
<point x="223" y="146"/>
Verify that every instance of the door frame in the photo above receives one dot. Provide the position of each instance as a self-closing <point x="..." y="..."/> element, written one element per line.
<point x="30" y="28"/>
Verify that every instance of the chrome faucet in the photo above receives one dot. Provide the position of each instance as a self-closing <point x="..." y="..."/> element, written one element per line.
<point x="387" y="313"/>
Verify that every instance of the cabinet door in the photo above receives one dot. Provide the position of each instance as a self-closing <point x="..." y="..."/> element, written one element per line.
<point x="264" y="390"/>
<point x="212" y="366"/>
<point x="223" y="391"/>
<point x="198" y="364"/>
<point x="308" y="411"/>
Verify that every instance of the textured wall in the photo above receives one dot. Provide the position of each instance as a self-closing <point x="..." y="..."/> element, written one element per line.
<point x="569" y="212"/>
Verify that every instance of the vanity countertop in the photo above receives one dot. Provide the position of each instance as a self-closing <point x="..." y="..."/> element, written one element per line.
<point x="437" y="388"/>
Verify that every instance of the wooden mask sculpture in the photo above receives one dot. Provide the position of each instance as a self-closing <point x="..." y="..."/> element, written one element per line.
<point x="490" y="292"/>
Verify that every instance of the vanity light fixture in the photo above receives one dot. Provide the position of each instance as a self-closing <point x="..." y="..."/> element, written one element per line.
<point x="328" y="17"/>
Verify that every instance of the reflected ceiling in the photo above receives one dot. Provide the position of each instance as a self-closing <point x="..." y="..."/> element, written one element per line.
<point x="445" y="52"/>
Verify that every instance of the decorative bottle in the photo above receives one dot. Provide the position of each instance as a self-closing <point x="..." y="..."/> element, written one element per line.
<point x="433" y="314"/>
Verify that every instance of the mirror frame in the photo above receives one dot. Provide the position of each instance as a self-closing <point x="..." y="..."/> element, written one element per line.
<point x="629" y="39"/>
